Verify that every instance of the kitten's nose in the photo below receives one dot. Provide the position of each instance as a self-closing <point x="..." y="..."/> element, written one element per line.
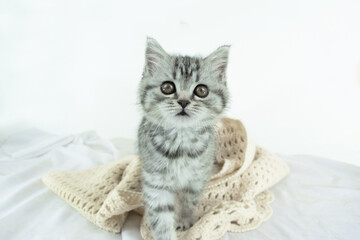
<point x="183" y="103"/>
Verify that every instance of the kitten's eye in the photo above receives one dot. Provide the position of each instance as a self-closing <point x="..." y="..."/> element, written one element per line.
<point x="201" y="91"/>
<point x="167" y="88"/>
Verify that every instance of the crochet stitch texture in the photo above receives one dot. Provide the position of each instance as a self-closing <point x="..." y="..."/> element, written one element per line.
<point x="235" y="199"/>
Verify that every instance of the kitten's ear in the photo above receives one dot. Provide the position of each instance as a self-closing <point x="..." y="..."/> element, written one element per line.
<point x="218" y="61"/>
<point x="154" y="55"/>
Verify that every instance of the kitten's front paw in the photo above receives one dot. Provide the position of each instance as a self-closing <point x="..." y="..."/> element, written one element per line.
<point x="184" y="224"/>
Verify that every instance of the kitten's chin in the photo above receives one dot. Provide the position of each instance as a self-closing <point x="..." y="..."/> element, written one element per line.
<point x="181" y="119"/>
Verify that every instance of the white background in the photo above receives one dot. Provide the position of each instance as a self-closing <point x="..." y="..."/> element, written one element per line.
<point x="71" y="66"/>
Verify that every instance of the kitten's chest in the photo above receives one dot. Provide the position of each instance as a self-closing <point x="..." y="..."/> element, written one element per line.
<point x="178" y="156"/>
<point x="184" y="140"/>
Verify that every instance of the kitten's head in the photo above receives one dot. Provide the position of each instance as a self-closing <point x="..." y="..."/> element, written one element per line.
<point x="182" y="91"/>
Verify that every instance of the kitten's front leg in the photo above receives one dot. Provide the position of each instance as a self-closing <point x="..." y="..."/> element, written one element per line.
<point x="159" y="204"/>
<point x="188" y="198"/>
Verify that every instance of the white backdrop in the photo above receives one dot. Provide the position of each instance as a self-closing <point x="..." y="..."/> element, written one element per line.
<point x="70" y="66"/>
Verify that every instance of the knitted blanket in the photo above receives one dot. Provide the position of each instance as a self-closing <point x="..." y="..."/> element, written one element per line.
<point x="235" y="199"/>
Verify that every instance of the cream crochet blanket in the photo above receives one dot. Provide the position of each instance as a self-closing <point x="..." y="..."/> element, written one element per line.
<point x="236" y="198"/>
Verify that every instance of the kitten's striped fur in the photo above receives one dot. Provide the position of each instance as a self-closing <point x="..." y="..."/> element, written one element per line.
<point x="177" y="151"/>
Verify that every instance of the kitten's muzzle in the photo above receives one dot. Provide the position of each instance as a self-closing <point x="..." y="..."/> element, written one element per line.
<point x="182" y="113"/>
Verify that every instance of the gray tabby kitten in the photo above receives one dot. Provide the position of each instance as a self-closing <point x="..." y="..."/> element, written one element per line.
<point x="182" y="98"/>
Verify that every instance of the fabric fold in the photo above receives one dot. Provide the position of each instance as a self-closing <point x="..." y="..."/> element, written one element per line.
<point x="33" y="142"/>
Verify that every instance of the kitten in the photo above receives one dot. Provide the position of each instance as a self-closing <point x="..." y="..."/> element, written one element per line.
<point x="182" y="98"/>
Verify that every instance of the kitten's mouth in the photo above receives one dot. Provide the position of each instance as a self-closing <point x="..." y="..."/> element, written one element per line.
<point x="182" y="113"/>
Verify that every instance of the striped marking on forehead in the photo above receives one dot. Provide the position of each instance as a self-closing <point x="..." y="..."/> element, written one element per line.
<point x="186" y="67"/>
